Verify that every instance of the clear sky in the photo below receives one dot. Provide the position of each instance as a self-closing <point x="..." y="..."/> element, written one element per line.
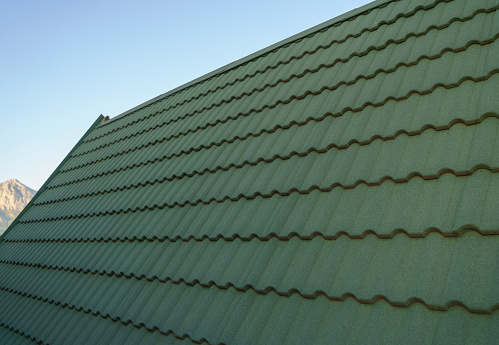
<point x="63" y="63"/>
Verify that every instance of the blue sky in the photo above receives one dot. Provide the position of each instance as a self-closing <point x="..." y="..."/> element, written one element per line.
<point x="63" y="63"/>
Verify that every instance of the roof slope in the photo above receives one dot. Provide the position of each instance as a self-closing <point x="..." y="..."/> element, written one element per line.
<point x="339" y="188"/>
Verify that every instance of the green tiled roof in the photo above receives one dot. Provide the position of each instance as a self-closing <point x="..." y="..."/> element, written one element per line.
<point x="339" y="187"/>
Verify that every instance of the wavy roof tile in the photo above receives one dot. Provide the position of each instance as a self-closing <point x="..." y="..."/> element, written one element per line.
<point x="339" y="187"/>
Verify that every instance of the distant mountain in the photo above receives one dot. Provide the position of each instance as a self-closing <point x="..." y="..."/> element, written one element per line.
<point x="13" y="197"/>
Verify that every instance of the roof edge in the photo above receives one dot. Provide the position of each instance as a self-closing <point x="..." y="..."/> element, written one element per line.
<point x="96" y="123"/>
<point x="342" y="17"/>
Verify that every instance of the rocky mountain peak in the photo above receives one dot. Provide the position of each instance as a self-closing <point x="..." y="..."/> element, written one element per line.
<point x="14" y="196"/>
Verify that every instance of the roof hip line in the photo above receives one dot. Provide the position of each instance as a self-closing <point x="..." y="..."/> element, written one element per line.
<point x="96" y="123"/>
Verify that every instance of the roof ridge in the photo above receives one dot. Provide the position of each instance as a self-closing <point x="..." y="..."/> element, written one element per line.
<point x="336" y="61"/>
<point x="311" y="31"/>
<point x="50" y="178"/>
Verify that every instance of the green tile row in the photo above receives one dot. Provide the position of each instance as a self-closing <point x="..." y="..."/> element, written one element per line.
<point x="231" y="316"/>
<point x="57" y="324"/>
<point x="423" y="76"/>
<point x="439" y="108"/>
<point x="399" y="269"/>
<point x="447" y="203"/>
<point x="461" y="148"/>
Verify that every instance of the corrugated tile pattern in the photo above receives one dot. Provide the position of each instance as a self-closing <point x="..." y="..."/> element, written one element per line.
<point x="340" y="188"/>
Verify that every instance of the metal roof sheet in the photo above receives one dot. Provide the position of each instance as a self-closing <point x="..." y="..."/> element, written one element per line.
<point x="337" y="187"/>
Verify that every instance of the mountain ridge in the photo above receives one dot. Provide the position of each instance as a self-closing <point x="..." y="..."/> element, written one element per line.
<point x="14" y="196"/>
